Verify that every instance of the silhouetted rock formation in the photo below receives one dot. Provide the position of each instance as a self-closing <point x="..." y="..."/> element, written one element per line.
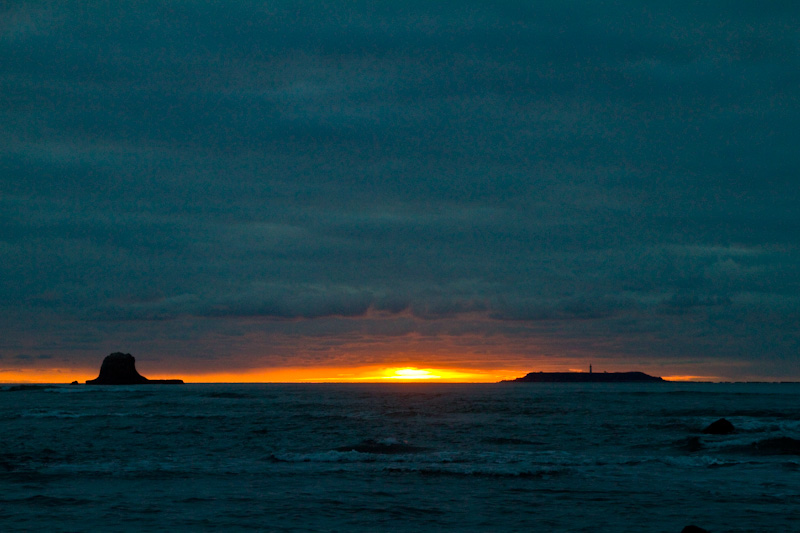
<point x="583" y="377"/>
<point x="120" y="369"/>
<point x="694" y="529"/>
<point x="720" y="427"/>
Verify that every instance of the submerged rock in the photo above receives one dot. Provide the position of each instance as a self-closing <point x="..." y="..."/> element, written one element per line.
<point x="120" y="369"/>
<point x="692" y="444"/>
<point x="694" y="529"/>
<point x="720" y="427"/>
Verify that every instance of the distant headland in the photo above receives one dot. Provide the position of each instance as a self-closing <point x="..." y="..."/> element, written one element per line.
<point x="584" y="377"/>
<point x="120" y="369"/>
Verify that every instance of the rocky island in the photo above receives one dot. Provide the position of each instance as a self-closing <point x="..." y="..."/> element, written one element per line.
<point x="590" y="377"/>
<point x="120" y="369"/>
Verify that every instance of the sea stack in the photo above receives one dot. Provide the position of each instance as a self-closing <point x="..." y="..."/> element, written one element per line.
<point x="583" y="377"/>
<point x="120" y="369"/>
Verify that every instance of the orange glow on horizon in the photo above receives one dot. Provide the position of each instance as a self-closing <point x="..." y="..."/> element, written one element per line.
<point x="45" y="375"/>
<point x="690" y="378"/>
<point x="365" y="374"/>
<point x="370" y="374"/>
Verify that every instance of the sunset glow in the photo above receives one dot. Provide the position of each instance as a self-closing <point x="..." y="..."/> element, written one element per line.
<point x="412" y="373"/>
<point x="691" y="378"/>
<point x="45" y="375"/>
<point x="365" y="374"/>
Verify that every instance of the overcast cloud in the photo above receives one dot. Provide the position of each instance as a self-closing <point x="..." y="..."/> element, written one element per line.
<point x="252" y="184"/>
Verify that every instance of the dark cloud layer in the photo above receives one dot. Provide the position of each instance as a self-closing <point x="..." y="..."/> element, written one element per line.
<point x="278" y="183"/>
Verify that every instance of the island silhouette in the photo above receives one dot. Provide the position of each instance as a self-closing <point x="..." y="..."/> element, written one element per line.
<point x="584" y="377"/>
<point x="120" y="369"/>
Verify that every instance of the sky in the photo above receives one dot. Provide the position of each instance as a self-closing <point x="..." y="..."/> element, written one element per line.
<point x="265" y="190"/>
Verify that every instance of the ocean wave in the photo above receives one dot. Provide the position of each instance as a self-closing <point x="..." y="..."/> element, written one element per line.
<point x="56" y="413"/>
<point x="225" y="452"/>
<point x="439" y="463"/>
<point x="478" y="471"/>
<point x="330" y="456"/>
<point x="776" y="446"/>
<point x="388" y="446"/>
<point x="761" y="425"/>
<point x="47" y="413"/>
<point x="696" y="461"/>
<point x="503" y="441"/>
<point x="743" y="443"/>
<point x="42" y="500"/>
<point x="228" y="395"/>
<point x="28" y="388"/>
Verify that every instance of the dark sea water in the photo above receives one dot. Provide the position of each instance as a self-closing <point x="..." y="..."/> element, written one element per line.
<point x="400" y="457"/>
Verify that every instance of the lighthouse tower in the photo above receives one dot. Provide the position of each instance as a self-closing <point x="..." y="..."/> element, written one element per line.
<point x="590" y="369"/>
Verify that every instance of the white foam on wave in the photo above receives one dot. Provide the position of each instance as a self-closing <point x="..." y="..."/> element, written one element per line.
<point x="441" y="463"/>
<point x="694" y="461"/>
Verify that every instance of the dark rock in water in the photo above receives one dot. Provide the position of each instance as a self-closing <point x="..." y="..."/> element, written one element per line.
<point x="778" y="446"/>
<point x="694" y="529"/>
<point x="720" y="427"/>
<point x="120" y="369"/>
<point x="381" y="447"/>
<point x="74" y="383"/>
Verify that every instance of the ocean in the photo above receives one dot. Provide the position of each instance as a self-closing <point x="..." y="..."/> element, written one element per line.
<point x="399" y="457"/>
